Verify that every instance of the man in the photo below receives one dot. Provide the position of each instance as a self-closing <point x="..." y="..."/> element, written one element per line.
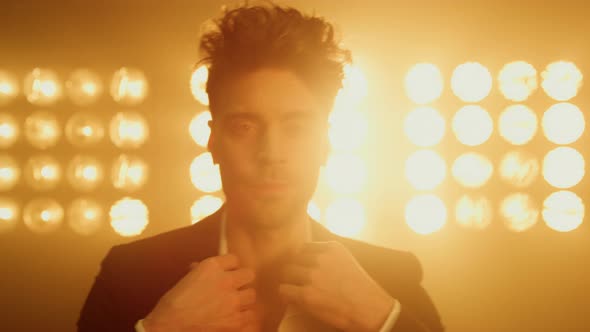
<point x="260" y="263"/>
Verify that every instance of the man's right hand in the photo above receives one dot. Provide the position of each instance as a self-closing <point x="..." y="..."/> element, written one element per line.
<point x="216" y="295"/>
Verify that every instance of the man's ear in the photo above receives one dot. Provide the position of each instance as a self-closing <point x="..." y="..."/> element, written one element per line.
<point x="211" y="144"/>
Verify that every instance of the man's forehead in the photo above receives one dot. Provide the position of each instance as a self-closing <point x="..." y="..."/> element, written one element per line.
<point x="271" y="113"/>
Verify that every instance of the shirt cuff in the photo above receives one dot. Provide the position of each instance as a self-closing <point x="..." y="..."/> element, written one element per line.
<point x="139" y="326"/>
<point x="389" y="322"/>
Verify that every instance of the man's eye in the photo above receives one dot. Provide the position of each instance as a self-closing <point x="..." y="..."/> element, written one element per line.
<point x="242" y="127"/>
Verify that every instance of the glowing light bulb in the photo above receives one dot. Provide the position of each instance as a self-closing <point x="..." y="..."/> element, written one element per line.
<point x="426" y="214"/>
<point x="424" y="83"/>
<point x="129" y="86"/>
<point x="129" y="217"/>
<point x="205" y="206"/>
<point x="518" y="80"/>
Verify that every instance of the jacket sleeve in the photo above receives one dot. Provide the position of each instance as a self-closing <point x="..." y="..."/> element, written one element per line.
<point x="102" y="308"/>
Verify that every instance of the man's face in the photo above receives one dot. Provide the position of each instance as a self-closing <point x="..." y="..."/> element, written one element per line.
<point x="269" y="139"/>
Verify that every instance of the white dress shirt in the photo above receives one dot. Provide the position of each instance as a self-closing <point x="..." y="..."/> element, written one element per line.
<point x="293" y="319"/>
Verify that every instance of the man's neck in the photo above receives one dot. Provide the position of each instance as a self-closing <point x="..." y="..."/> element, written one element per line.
<point x="259" y="246"/>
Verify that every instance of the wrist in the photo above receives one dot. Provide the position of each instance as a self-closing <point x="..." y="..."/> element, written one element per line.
<point x="372" y="317"/>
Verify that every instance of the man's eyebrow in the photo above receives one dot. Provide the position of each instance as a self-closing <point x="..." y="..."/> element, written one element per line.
<point x="299" y="114"/>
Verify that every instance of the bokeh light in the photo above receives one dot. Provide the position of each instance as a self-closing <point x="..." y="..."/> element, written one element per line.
<point x="9" y="214"/>
<point x="85" y="173"/>
<point x="424" y="126"/>
<point x="129" y="173"/>
<point x="129" y="217"/>
<point x="199" y="128"/>
<point x="424" y="83"/>
<point x="42" y="87"/>
<point x="519" y="168"/>
<point x="85" y="216"/>
<point x="9" y="172"/>
<point x="128" y="130"/>
<point x="129" y="86"/>
<point x="84" y="129"/>
<point x="9" y="130"/>
<point x="563" y="123"/>
<point x="472" y="125"/>
<point x="355" y="86"/>
<point x="426" y="214"/>
<point x="205" y="206"/>
<point x="425" y="169"/>
<point x="561" y="80"/>
<point x="518" y="80"/>
<point x="563" y="167"/>
<point x="518" y="124"/>
<point x="204" y="174"/>
<point x="42" y="172"/>
<point x="198" y="83"/>
<point x="84" y="87"/>
<point x="345" y="173"/>
<point x="9" y="87"/>
<point x="471" y="82"/>
<point x="42" y="129"/>
<point x="563" y="211"/>
<point x="472" y="170"/>
<point x="43" y="215"/>
<point x="346" y="217"/>
<point x="314" y="211"/>
<point x="519" y="212"/>
<point x="348" y="130"/>
<point x="473" y="212"/>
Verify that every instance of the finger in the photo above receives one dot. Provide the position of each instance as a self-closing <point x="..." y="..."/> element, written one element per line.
<point x="305" y="259"/>
<point x="228" y="262"/>
<point x="247" y="298"/>
<point x="295" y="275"/>
<point x="242" y="277"/>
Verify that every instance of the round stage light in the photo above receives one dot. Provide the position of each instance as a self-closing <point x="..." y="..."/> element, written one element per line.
<point x="9" y="172"/>
<point x="519" y="168"/>
<point x="84" y="87"/>
<point x="42" y="129"/>
<point x="42" y="172"/>
<point x="9" y="130"/>
<point x="314" y="211"/>
<point x="473" y="212"/>
<point x="84" y="129"/>
<point x="346" y="217"/>
<point x="348" y="130"/>
<point x="424" y="83"/>
<point x="472" y="170"/>
<point x="199" y="128"/>
<point x="563" y="211"/>
<point x="43" y="215"/>
<point x="9" y="87"/>
<point x="205" y="206"/>
<point x="129" y="86"/>
<point x="129" y="130"/>
<point x="42" y="87"/>
<point x="9" y="214"/>
<point x="198" y="84"/>
<point x="519" y="212"/>
<point x="424" y="126"/>
<point x="563" y="167"/>
<point x="472" y="125"/>
<point x="425" y="169"/>
<point x="426" y="214"/>
<point x="85" y="173"/>
<point x="518" y="80"/>
<point x="563" y="123"/>
<point x="204" y="174"/>
<point x="85" y="216"/>
<point x="518" y="124"/>
<point x="346" y="173"/>
<point x="129" y="217"/>
<point x="562" y="80"/>
<point x="471" y="82"/>
<point x="129" y="173"/>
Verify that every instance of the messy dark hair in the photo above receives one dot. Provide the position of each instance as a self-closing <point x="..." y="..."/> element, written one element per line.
<point x="248" y="37"/>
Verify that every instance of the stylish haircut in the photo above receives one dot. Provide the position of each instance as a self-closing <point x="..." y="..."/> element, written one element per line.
<point x="248" y="37"/>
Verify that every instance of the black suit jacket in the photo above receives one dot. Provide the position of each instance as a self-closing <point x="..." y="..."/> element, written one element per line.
<point x="134" y="276"/>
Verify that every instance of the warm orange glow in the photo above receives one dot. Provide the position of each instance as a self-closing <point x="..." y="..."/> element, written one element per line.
<point x="9" y="87"/>
<point x="42" y="87"/>
<point x="519" y="212"/>
<point x="562" y="80"/>
<point x="348" y="130"/>
<point x="346" y="217"/>
<point x="472" y="170"/>
<point x="518" y="124"/>
<point x="204" y="174"/>
<point x="563" y="167"/>
<point x="84" y="87"/>
<point x="42" y="172"/>
<point x="426" y="214"/>
<point x="129" y="86"/>
<point x="9" y="214"/>
<point x="425" y="169"/>
<point x="129" y="173"/>
<point x="129" y="130"/>
<point x="84" y="129"/>
<point x="85" y="173"/>
<point x="563" y="211"/>
<point x="424" y="126"/>
<point x="355" y="86"/>
<point x="471" y="82"/>
<point x="346" y="173"/>
<point x="472" y="125"/>
<point x="9" y="172"/>
<point x="9" y="130"/>
<point x="518" y="80"/>
<point x="43" y="215"/>
<point x="85" y="216"/>
<point x="563" y="123"/>
<point x="42" y="129"/>
<point x="424" y="83"/>
<point x="519" y="168"/>
<point x="129" y="217"/>
<point x="314" y="211"/>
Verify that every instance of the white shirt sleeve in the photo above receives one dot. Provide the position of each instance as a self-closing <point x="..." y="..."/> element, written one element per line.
<point x="139" y="326"/>
<point x="391" y="319"/>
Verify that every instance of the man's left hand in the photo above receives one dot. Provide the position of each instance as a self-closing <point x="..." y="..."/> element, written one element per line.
<point x="325" y="280"/>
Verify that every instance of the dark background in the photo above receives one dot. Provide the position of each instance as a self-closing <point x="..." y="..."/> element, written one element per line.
<point x="492" y="280"/>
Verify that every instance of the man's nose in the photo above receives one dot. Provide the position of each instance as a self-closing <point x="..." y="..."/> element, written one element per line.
<point x="271" y="147"/>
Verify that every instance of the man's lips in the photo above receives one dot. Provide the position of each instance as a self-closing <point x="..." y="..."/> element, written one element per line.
<point x="271" y="187"/>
